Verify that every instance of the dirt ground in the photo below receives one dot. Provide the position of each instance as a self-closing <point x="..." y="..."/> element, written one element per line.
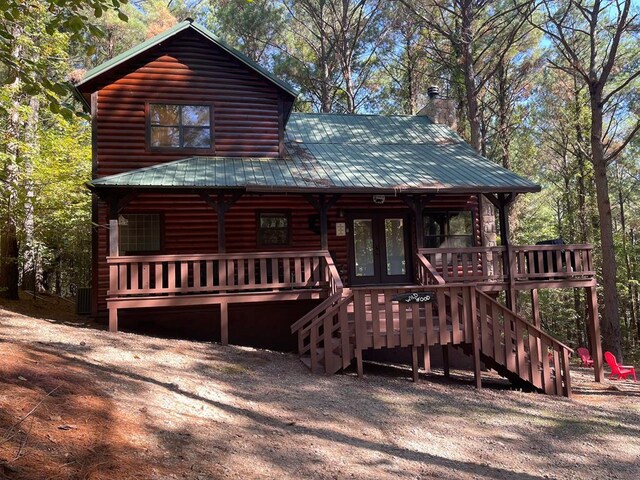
<point x="128" y="406"/>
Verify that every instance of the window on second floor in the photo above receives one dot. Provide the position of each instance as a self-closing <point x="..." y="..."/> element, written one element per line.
<point x="179" y="126"/>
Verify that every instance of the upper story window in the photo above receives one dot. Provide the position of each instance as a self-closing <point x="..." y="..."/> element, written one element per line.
<point x="448" y="229"/>
<point x="179" y="126"/>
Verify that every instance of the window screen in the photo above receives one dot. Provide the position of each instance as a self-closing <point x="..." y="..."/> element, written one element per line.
<point x="139" y="232"/>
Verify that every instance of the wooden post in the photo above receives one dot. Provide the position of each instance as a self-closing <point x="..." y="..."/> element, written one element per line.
<point x="221" y="206"/>
<point x="221" y="211"/>
<point x="322" y="204"/>
<point x="224" y="323"/>
<point x="113" y="319"/>
<point x="114" y="251"/>
<point x="426" y="353"/>
<point x="535" y="307"/>
<point x="445" y="360"/>
<point x="359" y="366"/>
<point x="324" y="224"/>
<point x="414" y="363"/>
<point x="476" y="341"/>
<point x="114" y="246"/>
<point x="594" y="331"/>
<point x="502" y="202"/>
<point x="508" y="266"/>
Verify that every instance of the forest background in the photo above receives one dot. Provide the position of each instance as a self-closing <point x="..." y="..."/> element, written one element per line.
<point x="549" y="89"/>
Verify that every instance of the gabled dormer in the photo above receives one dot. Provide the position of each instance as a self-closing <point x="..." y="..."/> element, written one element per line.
<point x="183" y="93"/>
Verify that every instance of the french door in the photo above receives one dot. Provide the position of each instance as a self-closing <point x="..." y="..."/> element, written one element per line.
<point x="379" y="248"/>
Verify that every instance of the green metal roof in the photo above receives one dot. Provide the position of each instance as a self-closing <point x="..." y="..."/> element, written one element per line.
<point x="152" y="42"/>
<point x="359" y="153"/>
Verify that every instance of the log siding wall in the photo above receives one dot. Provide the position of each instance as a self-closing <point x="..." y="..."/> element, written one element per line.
<point x="190" y="225"/>
<point x="247" y="109"/>
<point x="247" y="120"/>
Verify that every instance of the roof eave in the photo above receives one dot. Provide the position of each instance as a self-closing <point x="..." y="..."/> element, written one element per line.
<point x="94" y="187"/>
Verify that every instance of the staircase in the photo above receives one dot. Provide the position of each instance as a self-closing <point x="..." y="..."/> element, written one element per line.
<point x="350" y="321"/>
<point x="518" y="350"/>
<point x="325" y="334"/>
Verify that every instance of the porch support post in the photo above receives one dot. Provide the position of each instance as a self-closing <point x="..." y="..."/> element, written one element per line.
<point x="594" y="331"/>
<point x="116" y="204"/>
<point x="224" y="323"/>
<point x="414" y="363"/>
<point x="502" y="202"/>
<point x="113" y="272"/>
<point x="417" y="204"/>
<point x="322" y="204"/>
<point x="476" y="341"/>
<point x="426" y="353"/>
<point x="221" y="206"/>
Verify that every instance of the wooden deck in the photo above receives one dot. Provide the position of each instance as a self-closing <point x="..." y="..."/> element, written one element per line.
<point x="217" y="279"/>
<point x="348" y="321"/>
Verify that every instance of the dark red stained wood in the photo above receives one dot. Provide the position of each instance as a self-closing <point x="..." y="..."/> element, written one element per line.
<point x="247" y="109"/>
<point x="190" y="225"/>
<point x="248" y="120"/>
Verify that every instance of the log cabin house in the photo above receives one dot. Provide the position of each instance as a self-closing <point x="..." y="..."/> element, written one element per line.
<point x="214" y="200"/>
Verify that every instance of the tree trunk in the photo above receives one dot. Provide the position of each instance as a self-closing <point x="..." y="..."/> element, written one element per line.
<point x="627" y="263"/>
<point x="9" y="261"/>
<point x="466" y="46"/>
<point x="12" y="249"/>
<point x="610" y="323"/>
<point x="32" y="275"/>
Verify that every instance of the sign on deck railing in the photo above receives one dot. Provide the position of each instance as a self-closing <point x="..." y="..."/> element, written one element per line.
<point x="415" y="297"/>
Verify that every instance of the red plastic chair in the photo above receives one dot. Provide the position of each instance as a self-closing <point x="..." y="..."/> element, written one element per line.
<point x="585" y="356"/>
<point x="622" y="371"/>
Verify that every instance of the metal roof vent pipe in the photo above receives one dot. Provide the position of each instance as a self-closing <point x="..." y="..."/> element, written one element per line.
<point x="439" y="109"/>
<point x="433" y="92"/>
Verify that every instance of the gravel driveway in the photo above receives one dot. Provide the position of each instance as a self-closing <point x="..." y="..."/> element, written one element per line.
<point x="131" y="406"/>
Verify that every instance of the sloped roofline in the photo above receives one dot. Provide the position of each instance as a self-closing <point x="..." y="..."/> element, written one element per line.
<point x="184" y="25"/>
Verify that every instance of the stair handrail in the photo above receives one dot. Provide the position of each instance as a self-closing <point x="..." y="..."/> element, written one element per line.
<point x="427" y="273"/>
<point x="336" y="288"/>
<point x="548" y="337"/>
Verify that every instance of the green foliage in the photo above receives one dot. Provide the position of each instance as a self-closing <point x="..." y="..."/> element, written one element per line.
<point x="70" y="17"/>
<point x="62" y="203"/>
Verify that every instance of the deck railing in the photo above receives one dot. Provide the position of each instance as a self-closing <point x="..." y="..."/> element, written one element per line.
<point x="521" y="347"/>
<point x="490" y="264"/>
<point x="552" y="262"/>
<point x="219" y="273"/>
<point x="470" y="264"/>
<point x="462" y="315"/>
<point x="327" y="321"/>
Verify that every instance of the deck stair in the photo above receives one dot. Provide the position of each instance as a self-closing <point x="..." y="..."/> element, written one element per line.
<point x="350" y="321"/>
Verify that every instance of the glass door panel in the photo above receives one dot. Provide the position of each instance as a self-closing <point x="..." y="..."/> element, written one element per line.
<point x="363" y="247"/>
<point x="395" y="246"/>
<point x="378" y="249"/>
